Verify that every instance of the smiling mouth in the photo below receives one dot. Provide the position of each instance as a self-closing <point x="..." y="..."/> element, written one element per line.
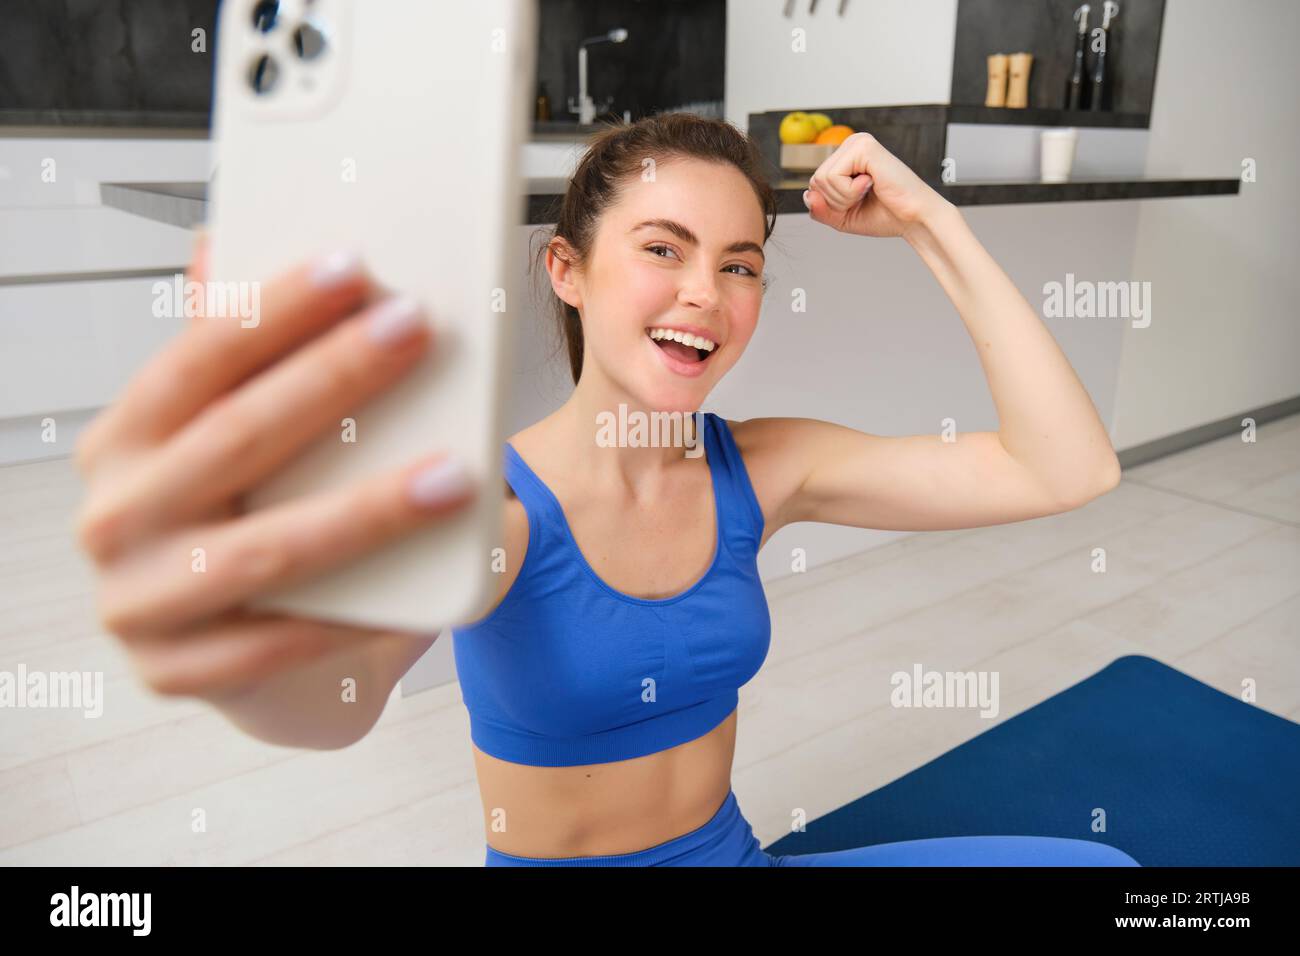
<point x="681" y="350"/>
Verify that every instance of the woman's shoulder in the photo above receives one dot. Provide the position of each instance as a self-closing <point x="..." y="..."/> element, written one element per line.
<point x="533" y="444"/>
<point x="762" y="439"/>
<point x="765" y="447"/>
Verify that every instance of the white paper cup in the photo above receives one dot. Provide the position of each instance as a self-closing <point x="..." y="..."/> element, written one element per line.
<point x="1057" y="154"/>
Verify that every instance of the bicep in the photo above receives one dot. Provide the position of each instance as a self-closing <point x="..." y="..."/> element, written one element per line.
<point x="910" y="483"/>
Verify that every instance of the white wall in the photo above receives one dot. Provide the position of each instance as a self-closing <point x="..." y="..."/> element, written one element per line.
<point x="1224" y="335"/>
<point x="880" y="53"/>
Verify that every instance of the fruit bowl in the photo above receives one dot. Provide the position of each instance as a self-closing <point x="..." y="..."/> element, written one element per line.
<point x="807" y="139"/>
<point x="804" y="156"/>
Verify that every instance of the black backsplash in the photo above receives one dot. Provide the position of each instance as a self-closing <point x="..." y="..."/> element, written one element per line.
<point x="129" y="62"/>
<point x="675" y="53"/>
<point x="106" y="62"/>
<point x="1046" y="28"/>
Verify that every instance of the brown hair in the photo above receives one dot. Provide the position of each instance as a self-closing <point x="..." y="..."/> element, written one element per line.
<point x="616" y="154"/>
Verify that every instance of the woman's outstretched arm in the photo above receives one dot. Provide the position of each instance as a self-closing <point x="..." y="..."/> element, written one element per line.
<point x="1050" y="453"/>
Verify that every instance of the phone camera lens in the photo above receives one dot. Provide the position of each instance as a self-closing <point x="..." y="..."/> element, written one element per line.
<point x="263" y="75"/>
<point x="309" y="40"/>
<point x="265" y="14"/>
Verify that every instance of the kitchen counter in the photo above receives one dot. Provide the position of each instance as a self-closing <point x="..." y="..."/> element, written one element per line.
<point x="1006" y="192"/>
<point x="176" y="204"/>
<point x="184" y="204"/>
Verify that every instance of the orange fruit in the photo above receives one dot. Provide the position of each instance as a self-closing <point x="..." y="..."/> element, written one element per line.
<point x="833" y="135"/>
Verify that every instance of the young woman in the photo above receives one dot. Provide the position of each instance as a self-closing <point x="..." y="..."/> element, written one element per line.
<point x="602" y="683"/>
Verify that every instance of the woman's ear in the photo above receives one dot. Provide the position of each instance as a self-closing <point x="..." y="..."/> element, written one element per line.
<point x="564" y="275"/>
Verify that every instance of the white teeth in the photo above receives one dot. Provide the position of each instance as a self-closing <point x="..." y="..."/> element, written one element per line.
<point x="686" y="338"/>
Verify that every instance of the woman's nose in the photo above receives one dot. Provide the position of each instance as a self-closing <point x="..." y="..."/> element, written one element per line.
<point x="701" y="291"/>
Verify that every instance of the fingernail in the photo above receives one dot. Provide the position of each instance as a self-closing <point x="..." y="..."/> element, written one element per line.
<point x="395" y="321"/>
<point x="336" y="268"/>
<point x="438" y="483"/>
<point x="806" y="201"/>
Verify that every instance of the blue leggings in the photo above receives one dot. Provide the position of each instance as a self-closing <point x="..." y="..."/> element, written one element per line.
<point x="728" y="840"/>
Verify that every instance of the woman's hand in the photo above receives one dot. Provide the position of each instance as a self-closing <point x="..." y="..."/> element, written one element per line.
<point x="212" y="415"/>
<point x="864" y="189"/>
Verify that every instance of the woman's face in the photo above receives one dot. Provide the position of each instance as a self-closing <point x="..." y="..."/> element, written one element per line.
<point x="681" y="252"/>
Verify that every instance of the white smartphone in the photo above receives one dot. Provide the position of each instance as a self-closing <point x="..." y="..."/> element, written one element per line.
<point x="393" y="128"/>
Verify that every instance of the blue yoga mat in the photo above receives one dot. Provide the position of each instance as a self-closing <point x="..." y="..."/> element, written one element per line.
<point x="1187" y="775"/>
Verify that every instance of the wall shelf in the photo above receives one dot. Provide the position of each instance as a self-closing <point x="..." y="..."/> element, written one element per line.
<point x="917" y="134"/>
<point x="1041" y="116"/>
<point x="1047" y="29"/>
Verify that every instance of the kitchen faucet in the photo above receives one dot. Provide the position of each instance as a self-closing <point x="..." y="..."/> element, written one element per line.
<point x="586" y="107"/>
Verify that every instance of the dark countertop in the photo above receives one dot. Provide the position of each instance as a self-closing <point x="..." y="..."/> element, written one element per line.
<point x="789" y="193"/>
<point x="157" y="124"/>
<point x="184" y="204"/>
<point x="1004" y="192"/>
<point x="993" y="193"/>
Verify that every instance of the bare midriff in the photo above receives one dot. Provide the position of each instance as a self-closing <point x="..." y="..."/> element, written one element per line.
<point x="606" y="808"/>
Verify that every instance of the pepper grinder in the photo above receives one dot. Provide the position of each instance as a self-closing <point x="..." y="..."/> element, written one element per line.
<point x="1018" y="83"/>
<point x="997" y="92"/>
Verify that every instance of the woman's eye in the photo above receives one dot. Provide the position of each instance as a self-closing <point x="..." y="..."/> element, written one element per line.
<point x="735" y="265"/>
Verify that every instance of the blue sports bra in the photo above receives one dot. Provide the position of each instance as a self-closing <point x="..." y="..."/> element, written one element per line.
<point x="567" y="671"/>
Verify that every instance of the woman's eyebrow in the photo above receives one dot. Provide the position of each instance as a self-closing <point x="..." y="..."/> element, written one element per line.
<point x="688" y="237"/>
